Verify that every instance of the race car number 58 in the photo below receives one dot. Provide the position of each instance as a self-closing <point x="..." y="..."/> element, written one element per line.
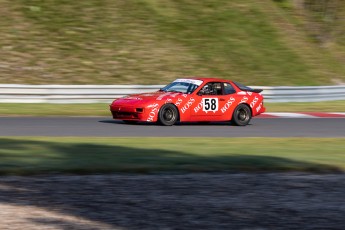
<point x="210" y="104"/>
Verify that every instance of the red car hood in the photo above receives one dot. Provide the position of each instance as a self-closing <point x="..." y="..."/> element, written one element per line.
<point x="145" y="98"/>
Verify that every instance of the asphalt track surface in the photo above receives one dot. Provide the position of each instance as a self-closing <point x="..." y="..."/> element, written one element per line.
<point x="106" y="127"/>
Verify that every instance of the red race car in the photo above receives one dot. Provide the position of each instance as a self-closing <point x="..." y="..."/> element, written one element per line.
<point x="192" y="100"/>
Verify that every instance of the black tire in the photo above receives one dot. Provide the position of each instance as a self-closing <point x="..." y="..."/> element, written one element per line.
<point x="168" y="115"/>
<point x="242" y="115"/>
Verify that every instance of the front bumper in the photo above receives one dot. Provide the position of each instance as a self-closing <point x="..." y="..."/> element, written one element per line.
<point x="126" y="113"/>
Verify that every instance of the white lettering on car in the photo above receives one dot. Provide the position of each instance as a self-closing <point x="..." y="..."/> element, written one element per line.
<point x="198" y="107"/>
<point x="160" y="97"/>
<point x="244" y="100"/>
<point x="189" y="103"/>
<point x="178" y="102"/>
<point x="228" y="104"/>
<point x="253" y="103"/>
<point x="168" y="100"/>
<point x="134" y="98"/>
<point x="152" y="105"/>
<point x="259" y="107"/>
<point x="153" y="111"/>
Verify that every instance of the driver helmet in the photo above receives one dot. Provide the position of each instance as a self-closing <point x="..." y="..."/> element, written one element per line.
<point x="207" y="89"/>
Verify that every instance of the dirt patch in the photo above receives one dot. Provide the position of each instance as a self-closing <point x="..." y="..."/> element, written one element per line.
<point x="191" y="201"/>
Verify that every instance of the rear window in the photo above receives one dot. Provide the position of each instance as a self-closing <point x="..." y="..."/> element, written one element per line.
<point x="228" y="89"/>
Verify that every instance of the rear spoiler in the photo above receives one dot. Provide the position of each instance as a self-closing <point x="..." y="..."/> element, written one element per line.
<point x="255" y="90"/>
<point x="246" y="88"/>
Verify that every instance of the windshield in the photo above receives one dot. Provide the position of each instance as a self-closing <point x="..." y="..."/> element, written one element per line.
<point x="186" y="86"/>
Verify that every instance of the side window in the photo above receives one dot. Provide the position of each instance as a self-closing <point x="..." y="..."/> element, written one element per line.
<point x="217" y="88"/>
<point x="205" y="90"/>
<point x="228" y="89"/>
<point x="212" y="88"/>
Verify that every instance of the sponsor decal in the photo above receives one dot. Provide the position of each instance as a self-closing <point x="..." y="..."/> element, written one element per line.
<point x="192" y="81"/>
<point x="152" y="105"/>
<point x="153" y="111"/>
<point x="188" y="104"/>
<point x="250" y="93"/>
<point x="160" y="97"/>
<point x="253" y="103"/>
<point x="210" y="104"/>
<point x="174" y="95"/>
<point x="170" y="94"/>
<point x="134" y="98"/>
<point x="178" y="102"/>
<point x="259" y="107"/>
<point x="241" y="93"/>
<point x="244" y="100"/>
<point x="198" y="107"/>
<point x="228" y="104"/>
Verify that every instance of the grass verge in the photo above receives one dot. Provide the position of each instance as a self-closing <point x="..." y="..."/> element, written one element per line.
<point x="324" y="106"/>
<point x="36" y="155"/>
<point x="100" y="109"/>
<point x="103" y="109"/>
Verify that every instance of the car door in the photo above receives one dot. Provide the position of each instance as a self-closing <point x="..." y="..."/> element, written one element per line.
<point x="209" y="101"/>
<point x="231" y="101"/>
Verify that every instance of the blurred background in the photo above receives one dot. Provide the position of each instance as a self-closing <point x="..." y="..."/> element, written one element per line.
<point x="152" y="42"/>
<point x="257" y="42"/>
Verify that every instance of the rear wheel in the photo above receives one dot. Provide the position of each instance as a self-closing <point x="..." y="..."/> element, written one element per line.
<point x="168" y="115"/>
<point x="242" y="115"/>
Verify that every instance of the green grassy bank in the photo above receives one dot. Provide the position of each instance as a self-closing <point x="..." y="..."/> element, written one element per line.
<point x="257" y="42"/>
<point x="36" y="155"/>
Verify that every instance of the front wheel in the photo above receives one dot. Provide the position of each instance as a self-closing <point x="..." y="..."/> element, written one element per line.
<point x="242" y="115"/>
<point x="168" y="115"/>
